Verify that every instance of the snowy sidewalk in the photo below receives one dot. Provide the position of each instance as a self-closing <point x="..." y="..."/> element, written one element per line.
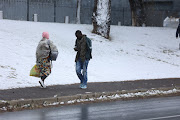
<point x="35" y="97"/>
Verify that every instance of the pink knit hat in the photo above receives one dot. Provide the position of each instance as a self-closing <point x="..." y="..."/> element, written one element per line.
<point x="45" y="35"/>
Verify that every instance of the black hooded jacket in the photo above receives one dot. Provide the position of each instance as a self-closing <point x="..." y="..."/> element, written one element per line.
<point x="81" y="46"/>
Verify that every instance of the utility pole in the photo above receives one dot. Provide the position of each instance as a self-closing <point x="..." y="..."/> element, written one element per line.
<point x="27" y="10"/>
<point x="54" y="10"/>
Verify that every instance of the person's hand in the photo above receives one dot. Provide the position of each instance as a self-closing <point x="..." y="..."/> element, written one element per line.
<point x="49" y="58"/>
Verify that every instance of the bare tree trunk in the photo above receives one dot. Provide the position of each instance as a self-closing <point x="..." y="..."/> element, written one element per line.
<point x="137" y="10"/>
<point x="102" y="17"/>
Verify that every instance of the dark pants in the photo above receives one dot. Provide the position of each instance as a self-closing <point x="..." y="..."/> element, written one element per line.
<point x="82" y="66"/>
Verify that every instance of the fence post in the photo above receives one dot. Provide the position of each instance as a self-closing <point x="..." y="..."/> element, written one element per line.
<point x="67" y="19"/>
<point x="1" y="14"/>
<point x="35" y="17"/>
<point x="143" y="25"/>
<point x="119" y="23"/>
<point x="27" y="10"/>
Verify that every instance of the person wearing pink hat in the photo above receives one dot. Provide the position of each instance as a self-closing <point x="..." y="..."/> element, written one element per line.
<point x="43" y="59"/>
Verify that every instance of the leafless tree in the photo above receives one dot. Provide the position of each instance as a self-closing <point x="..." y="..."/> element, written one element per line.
<point x="138" y="12"/>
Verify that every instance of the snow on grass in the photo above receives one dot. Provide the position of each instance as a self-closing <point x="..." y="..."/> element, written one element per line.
<point x="133" y="53"/>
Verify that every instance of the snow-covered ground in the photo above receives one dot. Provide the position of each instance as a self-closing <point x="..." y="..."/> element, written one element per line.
<point x="133" y="53"/>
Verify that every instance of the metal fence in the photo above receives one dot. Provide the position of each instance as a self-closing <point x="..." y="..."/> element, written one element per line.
<point x="43" y="8"/>
<point x="65" y="8"/>
<point x="120" y="12"/>
<point x="57" y="10"/>
<point x="47" y="10"/>
<point x="86" y="11"/>
<point x="14" y="9"/>
<point x="157" y="11"/>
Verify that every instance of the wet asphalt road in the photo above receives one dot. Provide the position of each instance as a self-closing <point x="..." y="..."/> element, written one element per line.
<point x="166" y="108"/>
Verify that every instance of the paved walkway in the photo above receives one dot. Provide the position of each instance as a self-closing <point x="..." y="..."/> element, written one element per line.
<point x="69" y="90"/>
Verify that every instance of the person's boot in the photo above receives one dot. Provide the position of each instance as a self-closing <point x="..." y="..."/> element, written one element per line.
<point x="42" y="84"/>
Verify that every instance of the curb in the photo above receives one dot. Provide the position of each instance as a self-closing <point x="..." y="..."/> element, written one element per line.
<point x="16" y="105"/>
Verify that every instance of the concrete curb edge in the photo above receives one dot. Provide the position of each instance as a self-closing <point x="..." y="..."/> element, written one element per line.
<point x="16" y="105"/>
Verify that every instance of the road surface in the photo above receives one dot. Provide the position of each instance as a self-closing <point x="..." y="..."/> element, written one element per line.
<point x="166" y="108"/>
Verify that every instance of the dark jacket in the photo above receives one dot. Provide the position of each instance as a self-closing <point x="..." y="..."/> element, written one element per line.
<point x="178" y="31"/>
<point x="81" y="46"/>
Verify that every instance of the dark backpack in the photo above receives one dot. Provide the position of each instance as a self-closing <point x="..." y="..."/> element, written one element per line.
<point x="89" y="46"/>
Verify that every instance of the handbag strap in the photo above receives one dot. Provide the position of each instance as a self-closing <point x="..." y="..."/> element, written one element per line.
<point x="48" y="42"/>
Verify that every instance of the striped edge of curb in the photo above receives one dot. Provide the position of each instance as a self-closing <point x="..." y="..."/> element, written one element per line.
<point x="15" y="105"/>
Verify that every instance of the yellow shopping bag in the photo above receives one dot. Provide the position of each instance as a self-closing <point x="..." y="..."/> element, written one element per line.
<point x="35" y="71"/>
